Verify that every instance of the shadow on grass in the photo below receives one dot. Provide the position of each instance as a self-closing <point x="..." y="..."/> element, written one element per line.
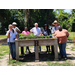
<point x="31" y="57"/>
<point x="42" y="57"/>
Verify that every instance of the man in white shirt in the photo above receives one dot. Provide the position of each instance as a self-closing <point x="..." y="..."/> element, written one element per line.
<point x="36" y="31"/>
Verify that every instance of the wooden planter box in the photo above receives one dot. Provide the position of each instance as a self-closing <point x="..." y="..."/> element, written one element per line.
<point x="36" y="43"/>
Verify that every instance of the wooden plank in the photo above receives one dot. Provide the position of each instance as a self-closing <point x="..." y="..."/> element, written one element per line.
<point x="56" y="51"/>
<point x="36" y="54"/>
<point x="17" y="51"/>
<point x="46" y="42"/>
<point x="26" y="43"/>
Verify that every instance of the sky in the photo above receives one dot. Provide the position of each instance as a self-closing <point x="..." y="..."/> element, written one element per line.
<point x="68" y="10"/>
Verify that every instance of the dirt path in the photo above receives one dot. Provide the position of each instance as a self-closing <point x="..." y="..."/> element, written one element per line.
<point x="3" y="61"/>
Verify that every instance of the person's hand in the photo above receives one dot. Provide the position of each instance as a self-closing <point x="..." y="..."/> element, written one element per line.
<point x="16" y="39"/>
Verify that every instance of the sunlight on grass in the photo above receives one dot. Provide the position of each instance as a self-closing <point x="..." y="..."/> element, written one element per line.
<point x="71" y="35"/>
<point x="2" y="36"/>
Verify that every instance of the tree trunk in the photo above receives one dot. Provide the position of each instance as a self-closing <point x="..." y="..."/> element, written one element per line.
<point x="26" y="16"/>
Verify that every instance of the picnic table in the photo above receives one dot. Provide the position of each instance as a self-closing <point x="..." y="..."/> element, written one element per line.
<point x="36" y="43"/>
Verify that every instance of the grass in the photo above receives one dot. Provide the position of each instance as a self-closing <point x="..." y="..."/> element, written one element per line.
<point x="71" y="35"/>
<point x="59" y="64"/>
<point x="4" y="49"/>
<point x="2" y="36"/>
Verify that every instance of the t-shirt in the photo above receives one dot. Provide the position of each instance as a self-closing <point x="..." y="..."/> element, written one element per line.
<point x="12" y="36"/>
<point x="25" y="33"/>
<point x="62" y="37"/>
<point x="53" y="29"/>
<point x="16" y="28"/>
<point x="46" y="32"/>
<point x="36" y="31"/>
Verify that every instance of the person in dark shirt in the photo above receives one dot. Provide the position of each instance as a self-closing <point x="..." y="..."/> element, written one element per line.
<point x="46" y="31"/>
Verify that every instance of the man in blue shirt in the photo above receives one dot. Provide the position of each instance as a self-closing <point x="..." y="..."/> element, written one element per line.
<point x="55" y="27"/>
<point x="53" y="31"/>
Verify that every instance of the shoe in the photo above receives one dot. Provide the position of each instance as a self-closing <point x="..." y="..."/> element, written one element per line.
<point x="14" y="58"/>
<point x="65" y="58"/>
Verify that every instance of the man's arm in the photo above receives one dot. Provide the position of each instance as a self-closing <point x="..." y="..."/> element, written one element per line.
<point x="18" y="30"/>
<point x="31" y="31"/>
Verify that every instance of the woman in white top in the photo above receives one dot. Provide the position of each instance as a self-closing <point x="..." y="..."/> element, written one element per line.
<point x="13" y="36"/>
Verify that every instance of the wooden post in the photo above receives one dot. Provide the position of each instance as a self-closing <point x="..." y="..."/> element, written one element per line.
<point x="17" y="51"/>
<point x="36" y="51"/>
<point x="36" y="54"/>
<point x="56" y="51"/>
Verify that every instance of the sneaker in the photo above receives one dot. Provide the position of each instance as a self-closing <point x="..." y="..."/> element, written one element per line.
<point x="65" y="58"/>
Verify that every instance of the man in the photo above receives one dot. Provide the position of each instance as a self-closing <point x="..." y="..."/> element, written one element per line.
<point x="14" y="24"/>
<point x="36" y="31"/>
<point x="16" y="28"/>
<point x="55" y="28"/>
<point x="62" y="35"/>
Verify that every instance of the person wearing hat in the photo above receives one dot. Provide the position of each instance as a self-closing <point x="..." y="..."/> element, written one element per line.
<point x="55" y="23"/>
<point x="46" y="31"/>
<point x="14" y="24"/>
<point x="55" y="28"/>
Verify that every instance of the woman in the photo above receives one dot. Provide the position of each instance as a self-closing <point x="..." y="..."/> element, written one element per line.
<point x="46" y="31"/>
<point x="13" y="36"/>
<point x="25" y="32"/>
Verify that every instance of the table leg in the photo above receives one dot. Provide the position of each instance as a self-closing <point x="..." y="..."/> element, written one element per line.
<point x="56" y="52"/>
<point x="17" y="51"/>
<point x="22" y="50"/>
<point x="36" y="54"/>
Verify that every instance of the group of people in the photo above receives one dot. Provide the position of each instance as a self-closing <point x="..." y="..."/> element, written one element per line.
<point x="58" y="32"/>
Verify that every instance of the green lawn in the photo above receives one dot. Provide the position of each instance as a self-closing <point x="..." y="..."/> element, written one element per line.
<point x="2" y="36"/>
<point x="71" y="35"/>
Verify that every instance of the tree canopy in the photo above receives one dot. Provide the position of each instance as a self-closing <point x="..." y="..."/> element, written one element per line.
<point x="27" y="17"/>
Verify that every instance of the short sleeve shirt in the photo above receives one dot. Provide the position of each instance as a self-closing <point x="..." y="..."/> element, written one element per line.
<point x="25" y="33"/>
<point x="46" y="32"/>
<point x="53" y="29"/>
<point x="36" y="31"/>
<point x="12" y="36"/>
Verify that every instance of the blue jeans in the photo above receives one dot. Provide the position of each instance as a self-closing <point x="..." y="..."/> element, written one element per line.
<point x="62" y="47"/>
<point x="12" y="49"/>
<point x="39" y="48"/>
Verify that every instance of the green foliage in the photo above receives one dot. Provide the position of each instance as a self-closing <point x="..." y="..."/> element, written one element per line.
<point x="66" y="20"/>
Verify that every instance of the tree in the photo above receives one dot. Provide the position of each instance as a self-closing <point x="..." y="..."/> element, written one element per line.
<point x="73" y="20"/>
<point x="41" y="16"/>
<point x="62" y="18"/>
